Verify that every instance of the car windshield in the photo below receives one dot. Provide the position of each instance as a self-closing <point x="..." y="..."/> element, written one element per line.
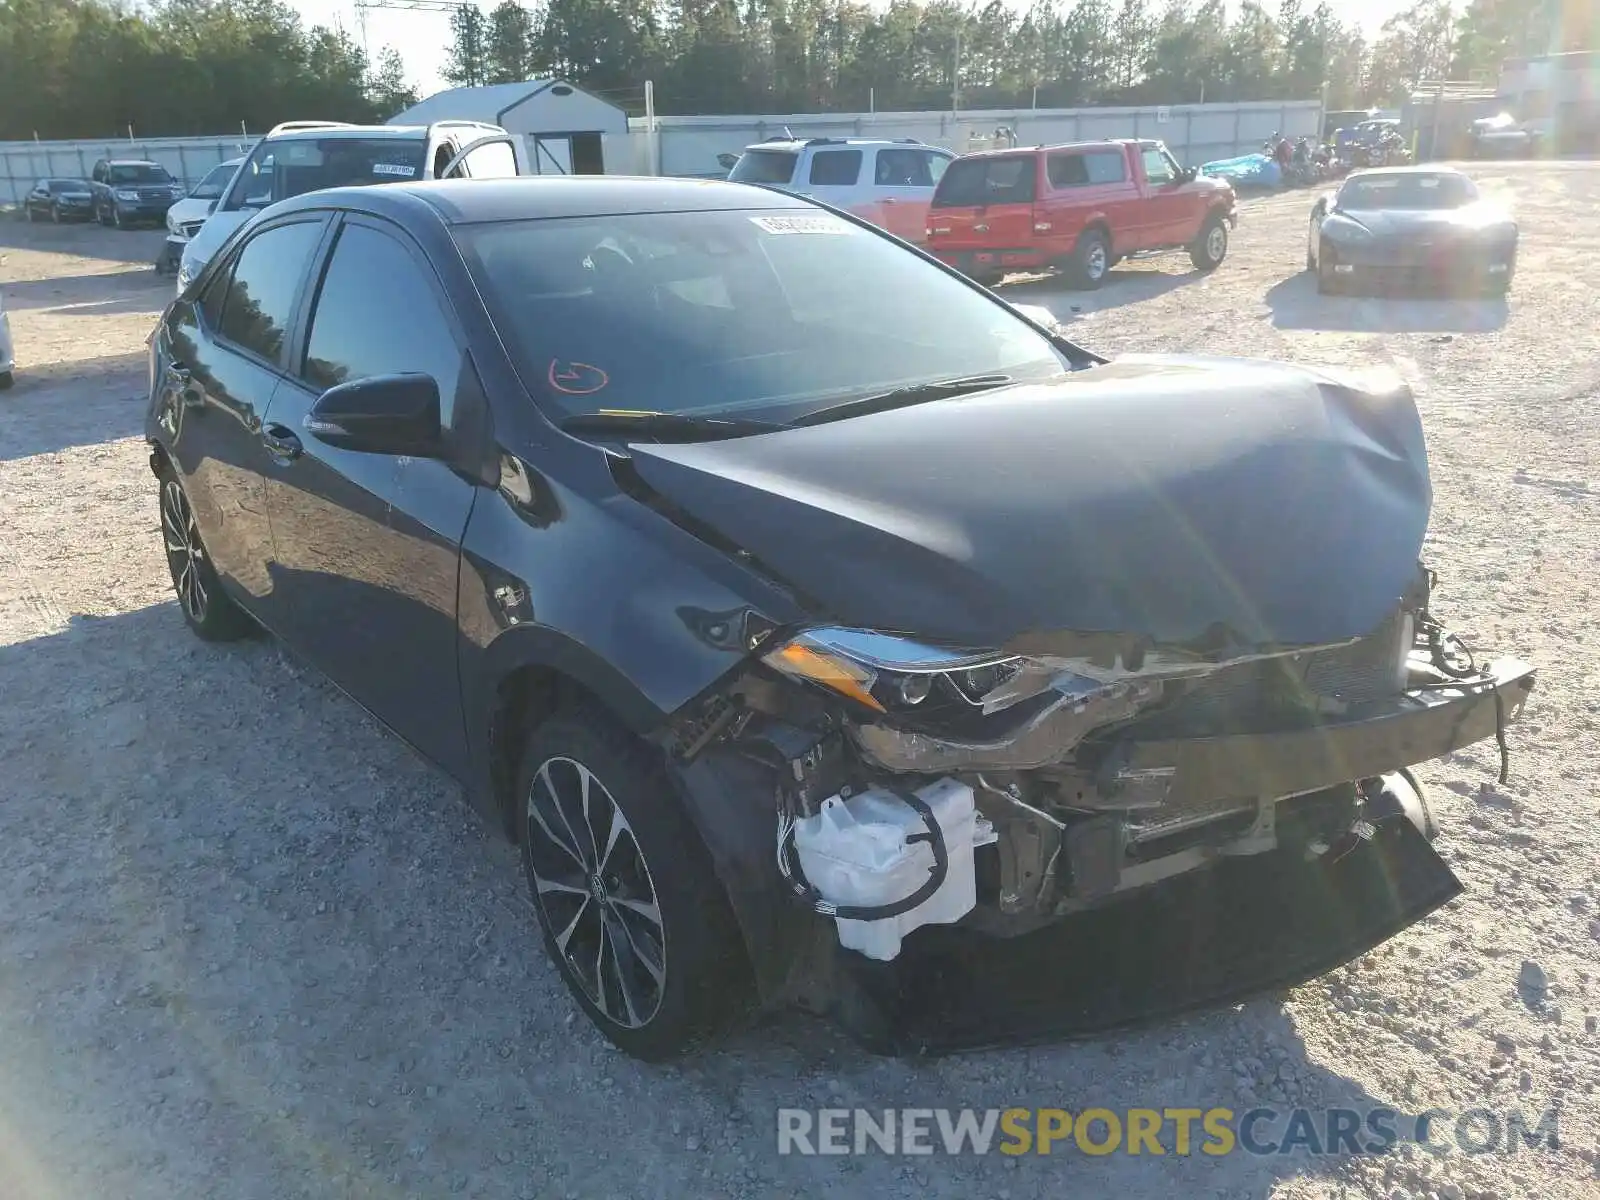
<point x="137" y="173"/>
<point x="215" y="182"/>
<point x="58" y="186"/>
<point x="764" y="166"/>
<point x="770" y="312"/>
<point x="1421" y="191"/>
<point x="294" y="166"/>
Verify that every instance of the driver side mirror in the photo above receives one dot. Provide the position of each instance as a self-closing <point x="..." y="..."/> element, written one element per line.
<point x="211" y="207"/>
<point x="382" y="414"/>
<point x="1188" y="174"/>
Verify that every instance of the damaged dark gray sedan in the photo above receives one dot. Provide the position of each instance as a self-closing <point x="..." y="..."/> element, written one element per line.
<point x="827" y="634"/>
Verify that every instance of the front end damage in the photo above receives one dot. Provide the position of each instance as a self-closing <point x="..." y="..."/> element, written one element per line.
<point x="1158" y="827"/>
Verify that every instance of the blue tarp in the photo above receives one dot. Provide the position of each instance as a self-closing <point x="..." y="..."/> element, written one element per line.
<point x="1250" y="170"/>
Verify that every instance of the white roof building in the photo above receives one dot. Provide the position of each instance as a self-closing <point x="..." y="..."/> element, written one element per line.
<point x="564" y="130"/>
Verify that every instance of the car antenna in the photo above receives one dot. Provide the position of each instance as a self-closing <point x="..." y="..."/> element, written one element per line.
<point x="787" y="134"/>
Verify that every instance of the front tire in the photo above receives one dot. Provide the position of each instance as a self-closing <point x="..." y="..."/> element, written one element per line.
<point x="1327" y="282"/>
<point x="208" y="610"/>
<point x="6" y="380"/>
<point x="1211" y="247"/>
<point x="630" y="908"/>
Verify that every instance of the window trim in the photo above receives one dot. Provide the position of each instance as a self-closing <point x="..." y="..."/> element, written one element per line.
<point x="292" y="331"/>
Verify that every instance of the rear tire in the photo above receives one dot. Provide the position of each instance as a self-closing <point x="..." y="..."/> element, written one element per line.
<point x="208" y="610"/>
<point x="1089" y="262"/>
<point x="633" y="916"/>
<point x="1211" y="247"/>
<point x="6" y="380"/>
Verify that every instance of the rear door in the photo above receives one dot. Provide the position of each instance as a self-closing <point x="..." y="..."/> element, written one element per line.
<point x="368" y="545"/>
<point x="225" y="355"/>
<point x="985" y="203"/>
<point x="1084" y="186"/>
<point x="903" y="179"/>
<point x="836" y="176"/>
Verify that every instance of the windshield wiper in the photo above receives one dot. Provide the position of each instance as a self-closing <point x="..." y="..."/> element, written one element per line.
<point x="667" y="427"/>
<point x="902" y="397"/>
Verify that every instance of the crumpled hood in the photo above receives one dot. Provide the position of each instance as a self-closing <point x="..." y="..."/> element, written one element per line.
<point x="1187" y="501"/>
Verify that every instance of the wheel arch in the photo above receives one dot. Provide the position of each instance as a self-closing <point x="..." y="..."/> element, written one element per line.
<point x="529" y="673"/>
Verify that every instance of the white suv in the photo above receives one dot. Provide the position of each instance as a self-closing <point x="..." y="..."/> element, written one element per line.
<point x="306" y="156"/>
<point x="886" y="182"/>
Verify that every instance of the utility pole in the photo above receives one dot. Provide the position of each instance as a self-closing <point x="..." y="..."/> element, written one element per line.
<point x="955" y="77"/>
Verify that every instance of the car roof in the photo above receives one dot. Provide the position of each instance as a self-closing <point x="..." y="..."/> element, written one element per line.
<point x="1414" y="169"/>
<point x="484" y="201"/>
<point x="1097" y="144"/>
<point x="797" y="144"/>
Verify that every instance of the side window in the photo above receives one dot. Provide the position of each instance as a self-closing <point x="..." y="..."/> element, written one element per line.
<point x="835" y="168"/>
<point x="1106" y="166"/>
<point x="266" y="279"/>
<point x="358" y="330"/>
<point x="1158" y="166"/>
<point x="903" y="168"/>
<point x="497" y="160"/>
<point x="936" y="165"/>
<point x="1067" y="170"/>
<point x="442" y="157"/>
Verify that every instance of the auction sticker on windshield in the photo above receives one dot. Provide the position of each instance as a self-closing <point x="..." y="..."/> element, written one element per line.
<point x="393" y="169"/>
<point x="802" y="224"/>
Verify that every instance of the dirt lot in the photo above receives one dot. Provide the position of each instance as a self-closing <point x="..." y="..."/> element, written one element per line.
<point x="254" y="948"/>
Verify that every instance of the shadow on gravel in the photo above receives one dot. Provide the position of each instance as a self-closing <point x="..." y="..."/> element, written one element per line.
<point x="252" y="939"/>
<point x="1118" y="288"/>
<point x="91" y="295"/>
<point x="57" y="406"/>
<point x="1296" y="304"/>
<point x="87" y="240"/>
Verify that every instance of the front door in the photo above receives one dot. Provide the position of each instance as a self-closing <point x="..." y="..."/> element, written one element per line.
<point x="226" y="350"/>
<point x="1174" y="215"/>
<point x="368" y="545"/>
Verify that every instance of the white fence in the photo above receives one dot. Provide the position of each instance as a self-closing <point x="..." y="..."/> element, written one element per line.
<point x="1195" y="133"/>
<point x="22" y="164"/>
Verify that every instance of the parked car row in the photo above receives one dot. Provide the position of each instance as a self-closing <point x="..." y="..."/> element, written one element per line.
<point x="1077" y="208"/>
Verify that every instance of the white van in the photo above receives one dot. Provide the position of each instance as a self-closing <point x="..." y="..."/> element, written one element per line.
<point x="305" y="156"/>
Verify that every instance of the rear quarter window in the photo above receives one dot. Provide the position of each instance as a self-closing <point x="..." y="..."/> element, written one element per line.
<point x="764" y="166"/>
<point x="977" y="182"/>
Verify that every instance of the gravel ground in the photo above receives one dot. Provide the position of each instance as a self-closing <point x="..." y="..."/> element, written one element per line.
<point x="254" y="947"/>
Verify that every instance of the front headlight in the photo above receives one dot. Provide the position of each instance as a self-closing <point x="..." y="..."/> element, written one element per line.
<point x="888" y="673"/>
<point x="125" y="194"/>
<point x="1342" y="229"/>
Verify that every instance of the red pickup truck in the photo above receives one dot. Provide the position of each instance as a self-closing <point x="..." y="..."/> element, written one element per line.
<point x="1080" y="208"/>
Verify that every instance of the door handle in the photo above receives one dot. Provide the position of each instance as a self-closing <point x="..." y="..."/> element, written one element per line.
<point x="281" y="442"/>
<point x="890" y="200"/>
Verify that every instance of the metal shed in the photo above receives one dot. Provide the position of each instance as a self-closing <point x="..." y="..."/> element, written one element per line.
<point x="564" y="129"/>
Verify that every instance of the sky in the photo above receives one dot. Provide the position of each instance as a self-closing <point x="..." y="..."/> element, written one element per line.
<point x="421" y="37"/>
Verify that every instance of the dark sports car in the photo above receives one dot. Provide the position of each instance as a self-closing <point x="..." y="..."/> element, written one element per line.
<point x="1411" y="227"/>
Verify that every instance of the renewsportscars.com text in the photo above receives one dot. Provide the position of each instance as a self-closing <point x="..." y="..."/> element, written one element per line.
<point x="1159" y="1131"/>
